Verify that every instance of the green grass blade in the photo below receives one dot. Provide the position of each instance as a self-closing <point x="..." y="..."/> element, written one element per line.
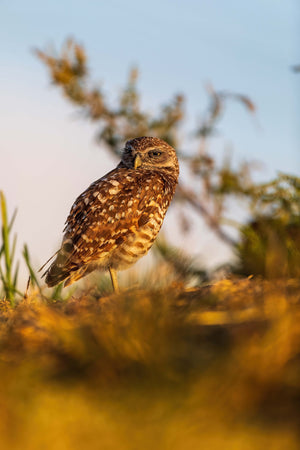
<point x="8" y="285"/>
<point x="2" y="278"/>
<point x="57" y="291"/>
<point x="33" y="276"/>
<point x="12" y="220"/>
<point x="9" y="227"/>
<point x="16" y="274"/>
<point x="13" y="249"/>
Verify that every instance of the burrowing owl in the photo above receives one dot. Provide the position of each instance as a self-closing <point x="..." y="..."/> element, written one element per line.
<point x="116" y="220"/>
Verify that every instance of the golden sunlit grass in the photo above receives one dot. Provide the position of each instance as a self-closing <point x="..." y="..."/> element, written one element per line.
<point x="213" y="367"/>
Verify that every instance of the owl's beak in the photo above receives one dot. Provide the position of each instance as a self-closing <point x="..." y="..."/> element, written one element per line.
<point x="137" y="161"/>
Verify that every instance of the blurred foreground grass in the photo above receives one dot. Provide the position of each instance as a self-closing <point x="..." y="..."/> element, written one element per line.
<point x="216" y="367"/>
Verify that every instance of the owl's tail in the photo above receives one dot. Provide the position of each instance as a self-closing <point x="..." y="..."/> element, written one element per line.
<point x="64" y="269"/>
<point x="61" y="267"/>
<point x="58" y="271"/>
<point x="56" y="274"/>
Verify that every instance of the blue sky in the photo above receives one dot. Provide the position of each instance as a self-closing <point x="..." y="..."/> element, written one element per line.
<point x="246" y="47"/>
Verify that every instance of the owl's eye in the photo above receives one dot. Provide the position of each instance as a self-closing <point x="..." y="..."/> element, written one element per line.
<point x="154" y="153"/>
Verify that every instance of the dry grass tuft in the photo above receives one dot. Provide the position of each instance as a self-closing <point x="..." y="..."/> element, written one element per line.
<point x="213" y="367"/>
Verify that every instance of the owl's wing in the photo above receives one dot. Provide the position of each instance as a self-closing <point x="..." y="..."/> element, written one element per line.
<point x="101" y="218"/>
<point x="109" y="211"/>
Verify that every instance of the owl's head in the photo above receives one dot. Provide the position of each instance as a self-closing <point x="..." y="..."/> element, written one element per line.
<point x="149" y="153"/>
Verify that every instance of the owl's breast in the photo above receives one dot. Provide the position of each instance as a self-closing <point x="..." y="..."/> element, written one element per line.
<point x="144" y="215"/>
<point x="135" y="244"/>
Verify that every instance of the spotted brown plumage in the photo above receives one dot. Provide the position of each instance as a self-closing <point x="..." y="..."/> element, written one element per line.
<point x="116" y="220"/>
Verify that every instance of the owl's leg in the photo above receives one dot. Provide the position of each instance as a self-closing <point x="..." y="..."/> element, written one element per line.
<point x="114" y="279"/>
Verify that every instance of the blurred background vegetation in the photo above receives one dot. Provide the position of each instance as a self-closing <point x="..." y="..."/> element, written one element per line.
<point x="207" y="185"/>
<point x="187" y="358"/>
